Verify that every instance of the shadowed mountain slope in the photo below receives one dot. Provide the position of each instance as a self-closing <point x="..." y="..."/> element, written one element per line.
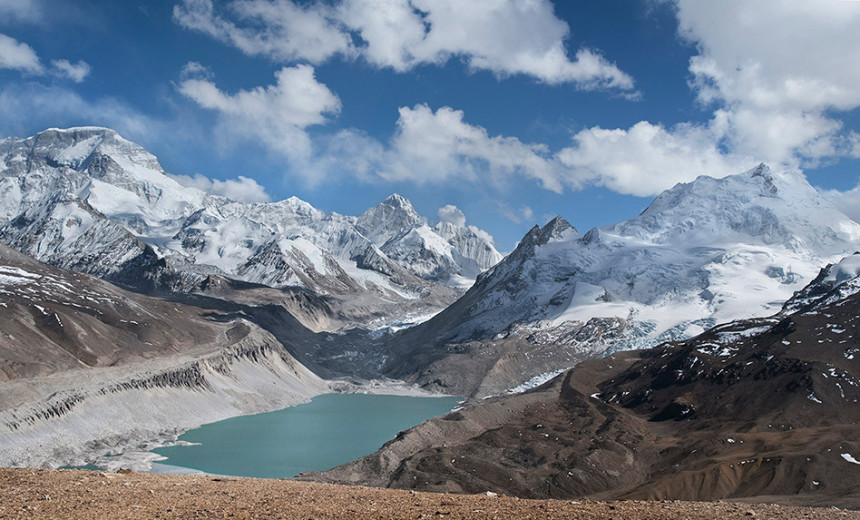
<point x="762" y="409"/>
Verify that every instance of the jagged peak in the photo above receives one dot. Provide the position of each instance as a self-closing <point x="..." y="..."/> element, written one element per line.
<point x="555" y="227"/>
<point x="761" y="170"/>
<point x="398" y="201"/>
<point x="298" y="204"/>
<point x="538" y="236"/>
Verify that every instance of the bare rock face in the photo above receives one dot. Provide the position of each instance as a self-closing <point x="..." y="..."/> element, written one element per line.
<point x="762" y="410"/>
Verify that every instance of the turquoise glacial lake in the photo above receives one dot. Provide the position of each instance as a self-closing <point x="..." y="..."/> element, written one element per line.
<point x="330" y="430"/>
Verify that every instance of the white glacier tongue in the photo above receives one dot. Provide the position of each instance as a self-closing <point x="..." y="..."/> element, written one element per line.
<point x="128" y="202"/>
<point x="707" y="251"/>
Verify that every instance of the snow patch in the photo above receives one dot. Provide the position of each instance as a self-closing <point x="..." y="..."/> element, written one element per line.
<point x="535" y="382"/>
<point x="849" y="458"/>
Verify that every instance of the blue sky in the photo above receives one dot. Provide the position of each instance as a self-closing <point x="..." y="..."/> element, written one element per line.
<point x="512" y="110"/>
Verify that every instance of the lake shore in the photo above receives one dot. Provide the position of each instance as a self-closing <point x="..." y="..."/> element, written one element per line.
<point x="140" y="457"/>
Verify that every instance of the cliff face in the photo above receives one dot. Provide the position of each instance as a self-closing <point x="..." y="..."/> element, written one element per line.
<point x="91" y="414"/>
<point x="88" y="369"/>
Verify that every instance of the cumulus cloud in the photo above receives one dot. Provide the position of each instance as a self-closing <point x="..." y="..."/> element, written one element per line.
<point x="647" y="159"/>
<point x="452" y="214"/>
<point x="76" y="72"/>
<point x="432" y="147"/>
<point x="19" y="56"/>
<point x="505" y="37"/>
<point x="776" y="83"/>
<point x="275" y="115"/>
<point x="278" y="29"/>
<point x="241" y="189"/>
<point x="436" y="146"/>
<point x="781" y="72"/>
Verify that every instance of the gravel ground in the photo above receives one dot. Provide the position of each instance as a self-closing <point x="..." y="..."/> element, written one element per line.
<point x="70" y="494"/>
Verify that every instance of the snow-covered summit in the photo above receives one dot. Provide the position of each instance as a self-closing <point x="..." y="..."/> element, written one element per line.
<point x="758" y="206"/>
<point x="389" y="218"/>
<point x="706" y="251"/>
<point x="126" y="193"/>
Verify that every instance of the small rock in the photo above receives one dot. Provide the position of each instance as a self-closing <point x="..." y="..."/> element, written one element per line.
<point x="491" y="494"/>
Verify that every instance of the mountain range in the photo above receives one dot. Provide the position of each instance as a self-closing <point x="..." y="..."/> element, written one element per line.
<point x="111" y="267"/>
<point x="88" y="200"/>
<point x="709" y="251"/>
<point x="760" y="409"/>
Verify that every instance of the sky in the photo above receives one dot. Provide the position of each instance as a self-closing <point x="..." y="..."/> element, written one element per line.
<point x="497" y="113"/>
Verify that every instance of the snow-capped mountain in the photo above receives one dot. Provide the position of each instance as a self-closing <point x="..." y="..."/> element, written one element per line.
<point x="757" y="408"/>
<point x="89" y="200"/>
<point x="445" y="252"/>
<point x="708" y="251"/>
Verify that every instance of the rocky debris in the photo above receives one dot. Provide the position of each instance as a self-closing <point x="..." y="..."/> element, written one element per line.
<point x="71" y="494"/>
<point x="761" y="410"/>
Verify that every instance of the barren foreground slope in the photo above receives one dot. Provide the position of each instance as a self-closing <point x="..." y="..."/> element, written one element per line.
<point x="29" y="493"/>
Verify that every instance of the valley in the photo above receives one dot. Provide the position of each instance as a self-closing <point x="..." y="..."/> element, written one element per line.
<point x="702" y="350"/>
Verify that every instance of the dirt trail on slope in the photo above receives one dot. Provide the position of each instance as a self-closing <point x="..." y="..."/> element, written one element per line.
<point x="72" y="494"/>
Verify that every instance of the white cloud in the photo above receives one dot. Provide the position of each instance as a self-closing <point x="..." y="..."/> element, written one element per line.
<point x="20" y="10"/>
<point x="433" y="147"/>
<point x="781" y="71"/>
<point x="76" y="72"/>
<point x="776" y="74"/>
<point x="480" y="233"/>
<point x="276" y="115"/>
<point x="503" y="36"/>
<point x="194" y="70"/>
<point x="647" y="159"/>
<point x="241" y="189"/>
<point x="452" y="214"/>
<point x="506" y="37"/>
<point x="278" y="29"/>
<point x="436" y="147"/>
<point x="847" y="202"/>
<point x="19" y="56"/>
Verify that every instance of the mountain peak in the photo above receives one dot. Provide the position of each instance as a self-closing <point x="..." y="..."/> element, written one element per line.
<point x="397" y="201"/>
<point x="555" y="227"/>
<point x="757" y="206"/>
<point x="90" y="130"/>
<point x="762" y="170"/>
<point x="389" y="218"/>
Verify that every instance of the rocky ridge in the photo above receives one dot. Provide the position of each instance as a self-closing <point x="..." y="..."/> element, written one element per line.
<point x="759" y="409"/>
<point x="88" y="369"/>
<point x="709" y="251"/>
<point x="86" y="199"/>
